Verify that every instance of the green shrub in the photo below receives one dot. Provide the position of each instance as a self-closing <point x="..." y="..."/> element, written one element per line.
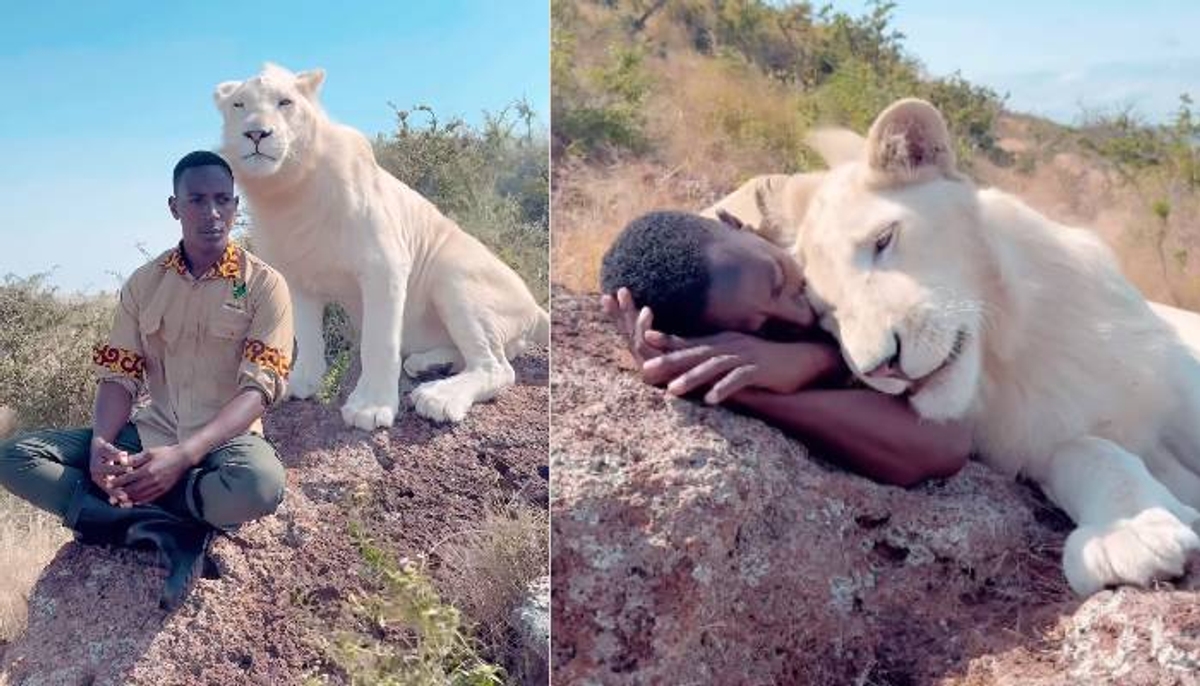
<point x="1125" y="138"/>
<point x="493" y="180"/>
<point x="46" y="344"/>
<point x="606" y="110"/>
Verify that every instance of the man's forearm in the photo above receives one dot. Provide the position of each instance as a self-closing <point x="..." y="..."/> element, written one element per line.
<point x="876" y="435"/>
<point x="111" y="411"/>
<point x="233" y="419"/>
<point x="819" y="361"/>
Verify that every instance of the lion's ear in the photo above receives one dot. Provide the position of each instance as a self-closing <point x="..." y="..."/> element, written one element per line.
<point x="910" y="142"/>
<point x="309" y="82"/>
<point x="224" y="90"/>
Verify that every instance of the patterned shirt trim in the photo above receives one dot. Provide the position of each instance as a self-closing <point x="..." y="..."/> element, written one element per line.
<point x="267" y="357"/>
<point x="120" y="360"/>
<point x="228" y="267"/>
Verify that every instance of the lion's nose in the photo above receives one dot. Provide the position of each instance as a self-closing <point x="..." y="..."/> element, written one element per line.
<point x="889" y="368"/>
<point x="256" y="135"/>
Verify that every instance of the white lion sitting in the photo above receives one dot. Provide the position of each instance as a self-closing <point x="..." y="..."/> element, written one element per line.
<point x="341" y="229"/>
<point x="974" y="306"/>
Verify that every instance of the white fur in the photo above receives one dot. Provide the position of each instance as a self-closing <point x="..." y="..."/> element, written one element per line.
<point x="341" y="229"/>
<point x="1067" y="374"/>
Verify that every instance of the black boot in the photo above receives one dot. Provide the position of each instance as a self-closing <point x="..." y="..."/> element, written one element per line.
<point x="182" y="543"/>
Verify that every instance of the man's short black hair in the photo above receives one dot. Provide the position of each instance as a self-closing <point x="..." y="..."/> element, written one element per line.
<point x="198" y="158"/>
<point x="660" y="257"/>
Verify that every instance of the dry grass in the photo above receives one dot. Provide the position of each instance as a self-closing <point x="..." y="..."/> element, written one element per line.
<point x="45" y="380"/>
<point x="28" y="539"/>
<point x="1078" y="187"/>
<point x="592" y="203"/>
<point x="714" y="123"/>
<point x="724" y="118"/>
<point x="486" y="572"/>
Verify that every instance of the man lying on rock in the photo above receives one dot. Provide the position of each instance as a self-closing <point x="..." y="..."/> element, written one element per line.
<point x="206" y="330"/>
<point x="730" y="320"/>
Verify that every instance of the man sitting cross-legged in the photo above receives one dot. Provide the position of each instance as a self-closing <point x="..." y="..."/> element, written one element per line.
<point x="206" y="330"/>
<point x="723" y="310"/>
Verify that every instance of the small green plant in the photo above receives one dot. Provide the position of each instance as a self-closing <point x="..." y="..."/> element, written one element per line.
<point x="339" y="336"/>
<point x="1161" y="209"/>
<point x="334" y="376"/>
<point x="416" y="639"/>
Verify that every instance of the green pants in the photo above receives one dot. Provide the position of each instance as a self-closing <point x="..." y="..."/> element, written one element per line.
<point x="241" y="480"/>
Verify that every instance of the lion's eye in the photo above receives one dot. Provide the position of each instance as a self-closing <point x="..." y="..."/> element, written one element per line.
<point x="237" y="105"/>
<point x="884" y="239"/>
<point x="285" y="102"/>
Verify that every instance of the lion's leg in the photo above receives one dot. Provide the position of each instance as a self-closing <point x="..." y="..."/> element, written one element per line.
<point x="1131" y="529"/>
<point x="485" y="371"/>
<point x="376" y="398"/>
<point x="309" y="370"/>
<point x="421" y="362"/>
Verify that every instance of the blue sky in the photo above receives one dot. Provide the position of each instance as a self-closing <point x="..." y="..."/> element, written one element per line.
<point x="100" y="99"/>
<point x="1053" y="57"/>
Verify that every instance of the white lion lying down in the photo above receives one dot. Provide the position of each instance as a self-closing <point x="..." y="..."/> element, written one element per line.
<point x="974" y="306"/>
<point x="341" y="229"/>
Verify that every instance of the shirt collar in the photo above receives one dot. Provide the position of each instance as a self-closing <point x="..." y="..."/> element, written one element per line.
<point x="228" y="267"/>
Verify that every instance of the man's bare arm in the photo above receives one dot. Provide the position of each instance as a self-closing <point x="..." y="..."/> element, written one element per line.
<point x="234" y="418"/>
<point x="111" y="411"/>
<point x="876" y="435"/>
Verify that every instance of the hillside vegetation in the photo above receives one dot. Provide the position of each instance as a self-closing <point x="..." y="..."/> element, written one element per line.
<point x="673" y="103"/>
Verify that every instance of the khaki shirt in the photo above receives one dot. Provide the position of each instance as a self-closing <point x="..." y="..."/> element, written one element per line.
<point x="194" y="343"/>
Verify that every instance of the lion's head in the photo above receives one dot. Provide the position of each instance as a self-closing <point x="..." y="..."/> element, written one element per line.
<point x="894" y="258"/>
<point x="269" y="120"/>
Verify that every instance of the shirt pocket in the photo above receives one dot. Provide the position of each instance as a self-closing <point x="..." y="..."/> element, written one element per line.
<point x="220" y="355"/>
<point x="229" y="325"/>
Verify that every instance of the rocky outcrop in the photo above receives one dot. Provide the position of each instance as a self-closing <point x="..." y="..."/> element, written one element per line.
<point x="695" y="546"/>
<point x="532" y="623"/>
<point x="286" y="579"/>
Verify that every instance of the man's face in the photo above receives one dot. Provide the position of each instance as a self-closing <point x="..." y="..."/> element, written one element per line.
<point x="205" y="206"/>
<point x="756" y="287"/>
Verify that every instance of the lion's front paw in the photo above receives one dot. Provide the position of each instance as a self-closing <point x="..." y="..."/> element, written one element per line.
<point x="366" y="412"/>
<point x="444" y="400"/>
<point x="1152" y="545"/>
<point x="305" y="380"/>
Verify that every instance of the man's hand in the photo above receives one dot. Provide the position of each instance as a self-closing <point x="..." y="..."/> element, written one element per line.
<point x="632" y="323"/>
<point x="154" y="472"/>
<point x="107" y="462"/>
<point x="730" y="362"/>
